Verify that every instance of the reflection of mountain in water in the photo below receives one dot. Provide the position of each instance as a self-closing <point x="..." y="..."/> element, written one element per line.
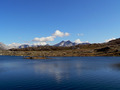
<point x="116" y="66"/>
<point x="57" y="69"/>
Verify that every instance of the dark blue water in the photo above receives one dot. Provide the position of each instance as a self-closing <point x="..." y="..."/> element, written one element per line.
<point x="59" y="73"/>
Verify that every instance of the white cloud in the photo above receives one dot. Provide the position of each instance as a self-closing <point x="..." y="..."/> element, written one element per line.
<point x="67" y="34"/>
<point x="86" y="42"/>
<point x="39" y="43"/>
<point x="80" y="34"/>
<point x="78" y="41"/>
<point x="51" y="38"/>
<point x="44" y="39"/>
<point x="14" y="45"/>
<point x="110" y="39"/>
<point x="60" y="34"/>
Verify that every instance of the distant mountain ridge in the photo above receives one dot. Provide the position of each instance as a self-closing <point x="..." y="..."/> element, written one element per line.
<point x="24" y="46"/>
<point x="68" y="43"/>
<point x="65" y="43"/>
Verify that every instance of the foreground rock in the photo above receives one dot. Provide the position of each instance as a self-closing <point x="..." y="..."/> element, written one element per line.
<point x="36" y="58"/>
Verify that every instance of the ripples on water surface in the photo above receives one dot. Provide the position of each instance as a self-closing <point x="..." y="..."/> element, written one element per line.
<point x="66" y="73"/>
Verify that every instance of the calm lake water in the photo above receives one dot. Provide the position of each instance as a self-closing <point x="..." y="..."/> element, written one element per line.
<point x="66" y="73"/>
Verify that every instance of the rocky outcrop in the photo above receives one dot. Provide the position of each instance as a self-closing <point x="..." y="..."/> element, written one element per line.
<point x="105" y="49"/>
<point x="114" y="42"/>
<point x="37" y="57"/>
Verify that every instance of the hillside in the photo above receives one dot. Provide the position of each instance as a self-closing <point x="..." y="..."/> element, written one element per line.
<point x="111" y="48"/>
<point x="114" y="42"/>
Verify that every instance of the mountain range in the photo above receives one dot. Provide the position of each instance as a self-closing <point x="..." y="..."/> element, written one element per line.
<point x="68" y="43"/>
<point x="24" y="46"/>
<point x="61" y="44"/>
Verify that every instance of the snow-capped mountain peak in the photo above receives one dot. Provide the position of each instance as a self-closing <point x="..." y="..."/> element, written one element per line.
<point x="67" y="43"/>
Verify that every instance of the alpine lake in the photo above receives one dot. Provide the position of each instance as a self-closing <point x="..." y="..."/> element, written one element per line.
<point x="60" y="73"/>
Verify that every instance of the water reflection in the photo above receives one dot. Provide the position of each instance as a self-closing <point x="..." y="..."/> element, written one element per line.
<point x="116" y="66"/>
<point x="75" y="73"/>
<point x="58" y="70"/>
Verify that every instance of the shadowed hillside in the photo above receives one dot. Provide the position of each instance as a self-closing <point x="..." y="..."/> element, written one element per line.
<point x="114" y="42"/>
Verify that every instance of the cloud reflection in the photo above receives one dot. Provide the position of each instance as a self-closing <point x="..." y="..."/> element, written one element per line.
<point x="58" y="70"/>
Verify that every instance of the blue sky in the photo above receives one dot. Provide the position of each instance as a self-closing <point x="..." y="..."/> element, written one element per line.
<point x="24" y="20"/>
